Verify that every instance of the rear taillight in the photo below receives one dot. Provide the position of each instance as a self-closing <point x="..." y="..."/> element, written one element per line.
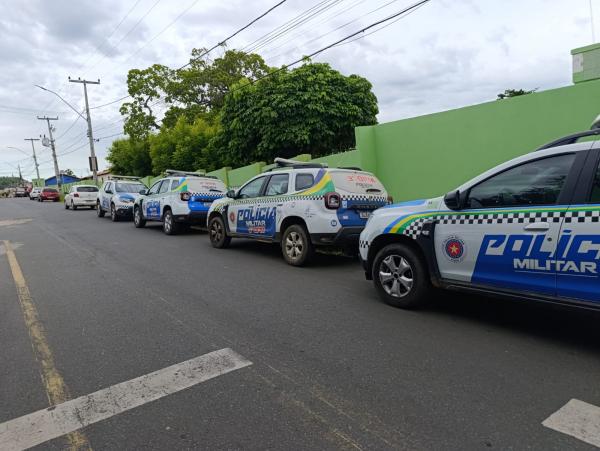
<point x="333" y="201"/>
<point x="185" y="196"/>
<point x="76" y="195"/>
<point x="390" y="200"/>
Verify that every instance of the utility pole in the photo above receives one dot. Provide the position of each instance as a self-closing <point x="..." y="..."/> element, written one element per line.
<point x="37" y="167"/>
<point x="20" y="175"/>
<point x="56" y="171"/>
<point x="93" y="161"/>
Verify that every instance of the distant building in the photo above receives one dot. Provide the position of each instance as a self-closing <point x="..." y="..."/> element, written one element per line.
<point x="102" y="176"/>
<point x="51" y="181"/>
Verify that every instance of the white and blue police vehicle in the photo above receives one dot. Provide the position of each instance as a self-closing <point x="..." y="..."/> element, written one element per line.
<point x="299" y="205"/>
<point x="528" y="228"/>
<point x="178" y="200"/>
<point x="117" y="195"/>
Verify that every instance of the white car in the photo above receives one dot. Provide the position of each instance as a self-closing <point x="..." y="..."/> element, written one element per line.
<point x="527" y="229"/>
<point x="81" y="196"/>
<point x="299" y="205"/>
<point x="117" y="196"/>
<point x="179" y="200"/>
<point x="35" y="193"/>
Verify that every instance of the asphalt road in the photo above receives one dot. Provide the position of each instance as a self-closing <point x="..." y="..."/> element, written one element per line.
<point x="332" y="366"/>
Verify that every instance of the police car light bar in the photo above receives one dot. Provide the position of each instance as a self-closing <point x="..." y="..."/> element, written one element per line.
<point x="286" y="163"/>
<point x="176" y="173"/>
<point x="123" y="177"/>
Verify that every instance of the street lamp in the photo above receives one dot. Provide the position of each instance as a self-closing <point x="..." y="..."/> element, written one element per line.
<point x="67" y="103"/>
<point x="16" y="148"/>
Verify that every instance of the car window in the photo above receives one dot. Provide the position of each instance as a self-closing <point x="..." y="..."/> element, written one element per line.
<point x="109" y="186"/>
<point x="86" y="189"/>
<point x="304" y="181"/>
<point x="175" y="184"/>
<point x="251" y="189"/>
<point x="535" y="183"/>
<point x="278" y="184"/>
<point x="128" y="187"/>
<point x="595" y="194"/>
<point x="164" y="187"/>
<point x="155" y="187"/>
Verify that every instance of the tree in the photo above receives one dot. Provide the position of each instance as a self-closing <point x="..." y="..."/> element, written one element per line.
<point x="196" y="90"/>
<point x="182" y="146"/>
<point x="508" y="93"/>
<point x="312" y="109"/>
<point x="68" y="172"/>
<point x="9" y="182"/>
<point x="130" y="157"/>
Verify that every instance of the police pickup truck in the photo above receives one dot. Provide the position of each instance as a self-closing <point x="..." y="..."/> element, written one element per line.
<point x="528" y="228"/>
<point x="299" y="205"/>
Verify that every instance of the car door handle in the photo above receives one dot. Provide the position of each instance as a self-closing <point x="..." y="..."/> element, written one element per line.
<point x="537" y="227"/>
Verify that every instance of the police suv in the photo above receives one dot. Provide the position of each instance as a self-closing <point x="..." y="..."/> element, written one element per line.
<point x="117" y="196"/>
<point x="300" y="205"/>
<point x="178" y="200"/>
<point x="528" y="228"/>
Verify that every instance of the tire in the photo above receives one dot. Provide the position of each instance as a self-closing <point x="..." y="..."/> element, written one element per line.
<point x="114" y="217"/>
<point x="66" y="206"/>
<point x="217" y="233"/>
<point x="401" y="277"/>
<point x="296" y="247"/>
<point x="138" y="220"/>
<point x="55" y="200"/>
<point x="73" y="206"/>
<point x="99" y="211"/>
<point x="170" y="227"/>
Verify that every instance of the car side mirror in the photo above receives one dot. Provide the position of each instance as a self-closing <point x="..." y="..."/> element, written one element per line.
<point x="143" y="192"/>
<point x="452" y="200"/>
<point x="231" y="193"/>
<point x="108" y="191"/>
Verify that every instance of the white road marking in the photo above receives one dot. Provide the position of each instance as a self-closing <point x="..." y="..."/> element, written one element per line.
<point x="13" y="222"/>
<point x="53" y="422"/>
<point x="577" y="419"/>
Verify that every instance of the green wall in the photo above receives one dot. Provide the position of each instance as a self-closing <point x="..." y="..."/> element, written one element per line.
<point x="237" y="177"/>
<point x="429" y="155"/>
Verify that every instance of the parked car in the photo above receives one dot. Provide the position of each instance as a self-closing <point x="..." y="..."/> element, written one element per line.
<point x="117" y="196"/>
<point x="300" y="206"/>
<point x="20" y="191"/>
<point x="81" y="196"/>
<point x="35" y="193"/>
<point x="179" y="200"/>
<point x="528" y="228"/>
<point x="48" y="194"/>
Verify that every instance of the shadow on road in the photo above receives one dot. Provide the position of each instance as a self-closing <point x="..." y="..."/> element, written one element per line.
<point x="576" y="328"/>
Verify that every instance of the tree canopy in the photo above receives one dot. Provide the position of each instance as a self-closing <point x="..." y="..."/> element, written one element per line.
<point x="236" y="110"/>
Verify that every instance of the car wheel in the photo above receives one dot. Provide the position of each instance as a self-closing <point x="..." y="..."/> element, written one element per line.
<point x="296" y="246"/>
<point x="73" y="206"/>
<point x="99" y="211"/>
<point x="138" y="220"/>
<point x="217" y="233"/>
<point x="113" y="213"/>
<point x="66" y="206"/>
<point x="401" y="277"/>
<point x="170" y="227"/>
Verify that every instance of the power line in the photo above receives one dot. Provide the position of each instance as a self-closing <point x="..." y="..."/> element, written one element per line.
<point x="234" y="34"/>
<point x="402" y="12"/>
<point x="105" y="41"/>
<point x="110" y="103"/>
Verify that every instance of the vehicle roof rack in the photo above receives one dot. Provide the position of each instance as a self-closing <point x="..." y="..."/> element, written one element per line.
<point x="352" y="168"/>
<point x="570" y="139"/>
<point x="177" y="173"/>
<point x="123" y="177"/>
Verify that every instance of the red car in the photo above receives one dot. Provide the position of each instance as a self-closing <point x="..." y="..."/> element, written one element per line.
<point x="49" y="194"/>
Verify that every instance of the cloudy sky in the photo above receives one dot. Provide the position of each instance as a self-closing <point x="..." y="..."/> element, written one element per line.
<point x="447" y="54"/>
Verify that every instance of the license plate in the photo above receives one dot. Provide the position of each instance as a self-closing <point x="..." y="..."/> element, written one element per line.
<point x="364" y="214"/>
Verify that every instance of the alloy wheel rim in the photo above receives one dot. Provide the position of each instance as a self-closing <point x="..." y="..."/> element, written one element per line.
<point x="168" y="222"/>
<point x="294" y="245"/>
<point x="216" y="231"/>
<point x="396" y="276"/>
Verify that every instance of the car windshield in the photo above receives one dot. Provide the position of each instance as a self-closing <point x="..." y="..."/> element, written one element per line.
<point x="129" y="187"/>
<point x="87" y="189"/>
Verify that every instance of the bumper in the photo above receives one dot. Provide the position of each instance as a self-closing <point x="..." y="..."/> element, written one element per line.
<point x="345" y="237"/>
<point x="124" y="210"/>
<point x="194" y="217"/>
